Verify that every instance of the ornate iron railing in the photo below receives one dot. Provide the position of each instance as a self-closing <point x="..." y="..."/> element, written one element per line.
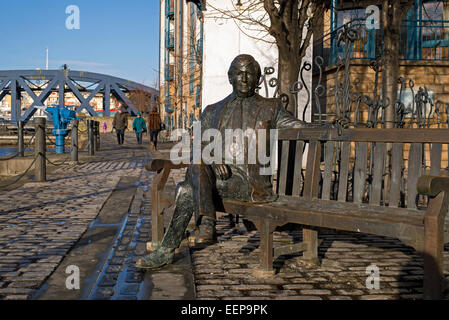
<point x="414" y="107"/>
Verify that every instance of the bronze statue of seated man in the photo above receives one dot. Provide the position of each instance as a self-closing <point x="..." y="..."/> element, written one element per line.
<point x="206" y="184"/>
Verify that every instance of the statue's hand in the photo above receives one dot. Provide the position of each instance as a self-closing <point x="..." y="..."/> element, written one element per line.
<point x="221" y="171"/>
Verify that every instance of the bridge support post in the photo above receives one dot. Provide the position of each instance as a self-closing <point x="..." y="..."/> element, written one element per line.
<point x="20" y="143"/>
<point x="16" y="101"/>
<point x="91" y="137"/>
<point x="107" y="100"/>
<point x="74" y="141"/>
<point x="40" y="150"/>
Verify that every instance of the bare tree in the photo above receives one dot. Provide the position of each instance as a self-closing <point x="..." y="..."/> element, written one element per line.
<point x="142" y="100"/>
<point x="393" y="12"/>
<point x="290" y="23"/>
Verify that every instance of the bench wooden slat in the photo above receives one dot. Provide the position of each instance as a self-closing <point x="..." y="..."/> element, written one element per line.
<point x="344" y="170"/>
<point x="409" y="230"/>
<point x="414" y="172"/>
<point x="435" y="159"/>
<point x="311" y="183"/>
<point x="361" y="154"/>
<point x="329" y="163"/>
<point x="397" y="159"/>
<point x="350" y="208"/>
<point x="378" y="171"/>
<point x="394" y="135"/>
<point x="284" y="167"/>
<point x="298" y="168"/>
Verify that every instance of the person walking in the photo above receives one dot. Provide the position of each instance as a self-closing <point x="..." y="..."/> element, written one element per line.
<point x="139" y="127"/>
<point x="120" y="123"/>
<point x="105" y="127"/>
<point x="154" y="126"/>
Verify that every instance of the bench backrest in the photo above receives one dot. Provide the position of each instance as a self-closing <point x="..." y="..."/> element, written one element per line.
<point x="376" y="166"/>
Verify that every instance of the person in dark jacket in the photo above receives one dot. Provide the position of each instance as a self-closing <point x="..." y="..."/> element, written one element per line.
<point x="139" y="127"/>
<point x="154" y="126"/>
<point x="120" y="123"/>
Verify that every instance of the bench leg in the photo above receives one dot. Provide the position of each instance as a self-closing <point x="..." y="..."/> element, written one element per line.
<point x="266" y="230"/>
<point x="157" y="219"/>
<point x="310" y="237"/>
<point x="434" y="246"/>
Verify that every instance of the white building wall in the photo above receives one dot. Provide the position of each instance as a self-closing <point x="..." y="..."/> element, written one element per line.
<point x="223" y="41"/>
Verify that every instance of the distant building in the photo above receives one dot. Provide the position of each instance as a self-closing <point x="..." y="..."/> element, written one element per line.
<point x="181" y="55"/>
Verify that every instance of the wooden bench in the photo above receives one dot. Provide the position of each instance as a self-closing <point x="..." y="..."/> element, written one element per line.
<point x="372" y="181"/>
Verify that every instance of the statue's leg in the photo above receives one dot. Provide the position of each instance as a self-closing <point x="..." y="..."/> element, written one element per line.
<point x="203" y="185"/>
<point x="172" y="239"/>
<point x="204" y="194"/>
<point x="183" y="210"/>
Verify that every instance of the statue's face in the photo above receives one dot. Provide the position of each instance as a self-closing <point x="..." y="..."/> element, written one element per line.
<point x="244" y="79"/>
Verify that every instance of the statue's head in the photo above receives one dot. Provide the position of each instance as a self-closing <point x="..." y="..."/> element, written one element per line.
<point x="244" y="75"/>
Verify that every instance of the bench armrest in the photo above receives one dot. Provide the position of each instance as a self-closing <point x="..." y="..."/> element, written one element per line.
<point x="432" y="185"/>
<point x="156" y="164"/>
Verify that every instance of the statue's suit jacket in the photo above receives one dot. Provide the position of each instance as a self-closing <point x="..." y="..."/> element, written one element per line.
<point x="257" y="112"/>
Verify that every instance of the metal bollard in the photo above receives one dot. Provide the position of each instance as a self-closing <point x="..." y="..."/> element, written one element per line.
<point x="40" y="150"/>
<point x="94" y="126"/>
<point x="20" y="143"/>
<point x="91" y="137"/>
<point x="74" y="141"/>
<point x="97" y="130"/>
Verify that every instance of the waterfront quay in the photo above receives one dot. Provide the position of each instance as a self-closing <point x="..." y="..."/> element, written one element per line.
<point x="93" y="219"/>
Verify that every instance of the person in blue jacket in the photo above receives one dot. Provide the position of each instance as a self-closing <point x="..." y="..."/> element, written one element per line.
<point x="139" y="127"/>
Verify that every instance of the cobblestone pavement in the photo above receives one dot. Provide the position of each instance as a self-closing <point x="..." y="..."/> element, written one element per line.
<point x="224" y="270"/>
<point x="40" y="222"/>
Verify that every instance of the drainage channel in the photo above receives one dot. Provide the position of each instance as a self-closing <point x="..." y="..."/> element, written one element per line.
<point x="119" y="279"/>
<point x="93" y="251"/>
<point x="108" y="259"/>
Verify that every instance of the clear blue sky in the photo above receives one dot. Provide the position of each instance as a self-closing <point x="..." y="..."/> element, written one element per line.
<point x="116" y="37"/>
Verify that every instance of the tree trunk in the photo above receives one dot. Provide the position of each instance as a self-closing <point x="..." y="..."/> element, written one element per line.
<point x="289" y="66"/>
<point x="393" y="12"/>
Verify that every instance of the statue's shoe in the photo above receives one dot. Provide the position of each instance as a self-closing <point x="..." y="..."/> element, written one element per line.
<point x="207" y="233"/>
<point x="156" y="259"/>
